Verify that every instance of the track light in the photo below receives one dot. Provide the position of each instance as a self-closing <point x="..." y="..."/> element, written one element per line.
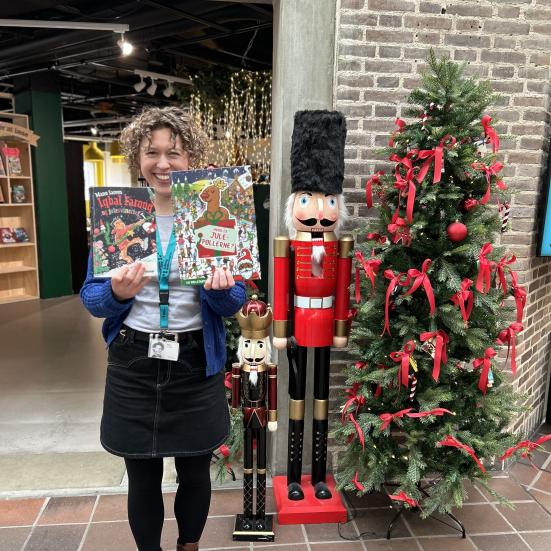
<point x="126" y="47"/>
<point x="139" y="86"/>
<point x="94" y="130"/>
<point x="152" y="88"/>
<point x="169" y="90"/>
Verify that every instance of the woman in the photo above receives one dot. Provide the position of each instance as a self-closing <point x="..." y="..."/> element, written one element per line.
<point x="155" y="408"/>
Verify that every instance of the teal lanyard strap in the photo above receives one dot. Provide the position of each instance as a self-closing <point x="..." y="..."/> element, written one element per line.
<point x="163" y="265"/>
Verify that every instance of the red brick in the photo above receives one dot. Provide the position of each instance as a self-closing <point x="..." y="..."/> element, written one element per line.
<point x="515" y="58"/>
<point x="469" y="40"/>
<point x="390" y="20"/>
<point x="357" y="50"/>
<point x="358" y="81"/>
<point x="348" y="32"/>
<point x="364" y="19"/>
<point x="427" y="22"/>
<point x="470" y="9"/>
<point x="421" y="53"/>
<point x="397" y="37"/>
<point x="380" y="66"/>
<point x="391" y="5"/>
<point x="349" y="65"/>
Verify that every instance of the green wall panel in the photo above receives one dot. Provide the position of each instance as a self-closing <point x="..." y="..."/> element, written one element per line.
<point x="54" y="256"/>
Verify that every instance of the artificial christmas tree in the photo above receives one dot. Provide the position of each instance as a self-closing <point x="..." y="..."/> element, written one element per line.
<point x="427" y="405"/>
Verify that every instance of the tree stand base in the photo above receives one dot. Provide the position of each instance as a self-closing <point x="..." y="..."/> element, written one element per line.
<point x="252" y="529"/>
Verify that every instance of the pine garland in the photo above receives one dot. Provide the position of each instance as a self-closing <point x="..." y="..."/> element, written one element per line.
<point x="456" y="421"/>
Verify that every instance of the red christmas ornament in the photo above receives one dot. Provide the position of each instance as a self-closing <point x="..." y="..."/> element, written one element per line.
<point x="111" y="249"/>
<point x="469" y="204"/>
<point x="457" y="231"/>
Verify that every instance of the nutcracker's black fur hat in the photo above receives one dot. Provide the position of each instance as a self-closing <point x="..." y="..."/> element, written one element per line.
<point x="317" y="151"/>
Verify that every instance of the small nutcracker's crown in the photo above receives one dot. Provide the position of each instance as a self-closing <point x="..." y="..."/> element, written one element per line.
<point x="254" y="318"/>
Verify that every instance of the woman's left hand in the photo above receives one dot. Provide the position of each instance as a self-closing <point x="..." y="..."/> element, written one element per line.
<point x="220" y="280"/>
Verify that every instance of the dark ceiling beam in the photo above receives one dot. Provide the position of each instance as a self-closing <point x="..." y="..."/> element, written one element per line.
<point x="221" y="35"/>
<point x="184" y="14"/>
<point x="200" y="59"/>
<point x="242" y="57"/>
<point x="258" y="9"/>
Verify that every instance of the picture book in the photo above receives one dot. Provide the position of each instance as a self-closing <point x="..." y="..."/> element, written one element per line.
<point x="21" y="235"/>
<point x="7" y="236"/>
<point x="215" y="223"/>
<point x="123" y="229"/>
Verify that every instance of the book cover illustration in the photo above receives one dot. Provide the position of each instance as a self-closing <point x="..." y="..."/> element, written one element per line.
<point x="21" y="235"/>
<point x="18" y="194"/>
<point x="215" y="223"/>
<point x="7" y="236"/>
<point x="123" y="229"/>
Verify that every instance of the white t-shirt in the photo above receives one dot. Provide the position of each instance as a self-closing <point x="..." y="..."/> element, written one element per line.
<point x="184" y="309"/>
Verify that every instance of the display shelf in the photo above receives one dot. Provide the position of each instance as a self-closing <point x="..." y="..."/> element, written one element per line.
<point x="15" y="269"/>
<point x="18" y="261"/>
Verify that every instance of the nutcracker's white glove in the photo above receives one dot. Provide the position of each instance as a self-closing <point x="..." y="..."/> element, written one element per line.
<point x="272" y="426"/>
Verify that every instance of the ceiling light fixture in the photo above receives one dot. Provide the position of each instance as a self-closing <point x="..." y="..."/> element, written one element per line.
<point x="152" y="88"/>
<point x="126" y="47"/>
<point x="94" y="130"/>
<point x="139" y="86"/>
<point x="160" y="76"/>
<point x="169" y="90"/>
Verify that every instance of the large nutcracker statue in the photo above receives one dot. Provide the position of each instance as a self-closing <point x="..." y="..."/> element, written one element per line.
<point x="254" y="389"/>
<point x="311" y="282"/>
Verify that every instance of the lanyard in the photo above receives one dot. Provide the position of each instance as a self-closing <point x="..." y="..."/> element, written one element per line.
<point x="163" y="266"/>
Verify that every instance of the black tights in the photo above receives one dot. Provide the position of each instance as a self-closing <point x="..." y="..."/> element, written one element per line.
<point x="145" y="499"/>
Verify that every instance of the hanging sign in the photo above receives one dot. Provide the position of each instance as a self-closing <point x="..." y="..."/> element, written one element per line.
<point x="20" y="133"/>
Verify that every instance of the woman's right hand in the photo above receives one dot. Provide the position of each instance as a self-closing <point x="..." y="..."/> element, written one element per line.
<point x="129" y="281"/>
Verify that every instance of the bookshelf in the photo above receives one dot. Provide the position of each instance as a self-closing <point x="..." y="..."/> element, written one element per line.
<point x="18" y="261"/>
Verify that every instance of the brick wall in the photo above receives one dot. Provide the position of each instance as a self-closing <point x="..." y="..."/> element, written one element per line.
<point x="381" y="47"/>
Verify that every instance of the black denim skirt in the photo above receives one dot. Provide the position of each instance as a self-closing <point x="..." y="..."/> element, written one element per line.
<point x="162" y="408"/>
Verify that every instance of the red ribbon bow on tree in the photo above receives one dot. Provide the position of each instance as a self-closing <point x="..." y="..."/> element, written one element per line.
<point x="353" y="398"/>
<point x="485" y="362"/>
<point x="227" y="380"/>
<point x="485" y="267"/>
<point x="452" y="442"/>
<point x="464" y="299"/>
<point x="528" y="446"/>
<point x="370" y="267"/>
<point x="387" y="418"/>
<point x="359" y="430"/>
<point x="436" y="411"/>
<point x="399" y="230"/>
<point x="376" y="237"/>
<point x="357" y="483"/>
<point x="489" y="171"/>
<point x="441" y="339"/>
<point x="500" y="268"/>
<point x="403" y="356"/>
<point x="374" y="180"/>
<point x="422" y="279"/>
<point x="520" y="296"/>
<point x="406" y="188"/>
<point x="436" y="155"/>
<point x="400" y="125"/>
<point x="490" y="133"/>
<point x="224" y="450"/>
<point x="509" y="336"/>
<point x="402" y="496"/>
<point x="398" y="279"/>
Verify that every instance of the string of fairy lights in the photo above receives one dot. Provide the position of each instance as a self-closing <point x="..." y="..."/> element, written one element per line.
<point x="241" y="131"/>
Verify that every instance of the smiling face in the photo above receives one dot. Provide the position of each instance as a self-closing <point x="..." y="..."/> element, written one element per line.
<point x="159" y="155"/>
<point x="315" y="211"/>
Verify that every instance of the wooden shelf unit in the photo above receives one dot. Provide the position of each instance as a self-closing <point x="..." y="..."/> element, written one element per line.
<point x="18" y="261"/>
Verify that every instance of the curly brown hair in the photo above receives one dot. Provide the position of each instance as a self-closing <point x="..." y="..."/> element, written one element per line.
<point x="176" y="119"/>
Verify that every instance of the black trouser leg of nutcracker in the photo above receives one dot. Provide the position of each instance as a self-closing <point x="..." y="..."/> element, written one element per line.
<point x="320" y="424"/>
<point x="297" y="391"/>
<point x="261" y="473"/>
<point x="248" y="474"/>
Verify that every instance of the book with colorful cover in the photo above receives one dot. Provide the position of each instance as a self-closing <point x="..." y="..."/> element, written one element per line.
<point x="7" y="236"/>
<point x="123" y="229"/>
<point x="215" y="223"/>
<point x="21" y="235"/>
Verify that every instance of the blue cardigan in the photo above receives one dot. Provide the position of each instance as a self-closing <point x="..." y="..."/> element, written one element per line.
<point x="97" y="296"/>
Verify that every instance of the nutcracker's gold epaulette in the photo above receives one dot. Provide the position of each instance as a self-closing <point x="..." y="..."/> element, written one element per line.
<point x="281" y="246"/>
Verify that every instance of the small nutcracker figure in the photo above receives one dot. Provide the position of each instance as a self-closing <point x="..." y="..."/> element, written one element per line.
<point x="311" y="282"/>
<point x="254" y="388"/>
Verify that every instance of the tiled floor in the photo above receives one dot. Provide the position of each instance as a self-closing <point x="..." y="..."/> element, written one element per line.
<point x="99" y="523"/>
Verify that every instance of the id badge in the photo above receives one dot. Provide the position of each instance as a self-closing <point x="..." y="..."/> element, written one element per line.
<point x="163" y="348"/>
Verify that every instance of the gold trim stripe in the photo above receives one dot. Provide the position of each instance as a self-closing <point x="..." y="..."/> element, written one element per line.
<point x="346" y="244"/>
<point x="281" y="247"/>
<point x="260" y="471"/>
<point x="321" y="408"/>
<point x="260" y="368"/>
<point x="280" y="328"/>
<point x="296" y="409"/>
<point x="247" y="471"/>
<point x="272" y="415"/>
<point x="341" y="328"/>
